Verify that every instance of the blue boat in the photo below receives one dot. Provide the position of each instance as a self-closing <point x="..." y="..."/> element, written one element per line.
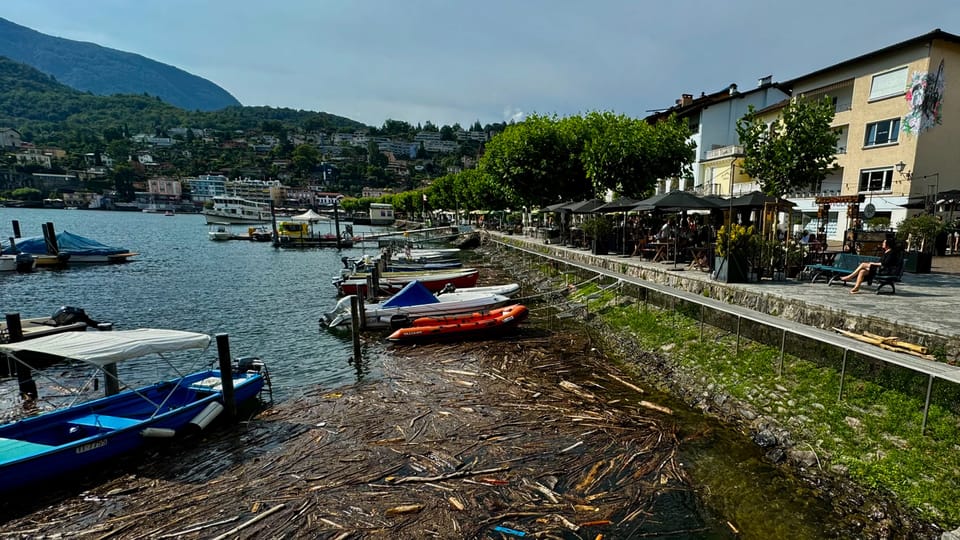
<point x="78" y="249"/>
<point x="68" y="439"/>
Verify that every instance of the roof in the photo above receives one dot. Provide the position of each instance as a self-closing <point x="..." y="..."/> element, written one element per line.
<point x="925" y="38"/>
<point x="101" y="348"/>
<point x="705" y="100"/>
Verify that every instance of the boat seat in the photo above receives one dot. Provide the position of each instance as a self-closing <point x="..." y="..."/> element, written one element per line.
<point x="12" y="449"/>
<point x="104" y="421"/>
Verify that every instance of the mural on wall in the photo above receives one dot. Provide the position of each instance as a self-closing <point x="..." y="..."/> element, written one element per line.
<point x="925" y="96"/>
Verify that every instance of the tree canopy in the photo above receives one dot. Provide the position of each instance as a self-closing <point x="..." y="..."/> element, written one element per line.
<point x="795" y="151"/>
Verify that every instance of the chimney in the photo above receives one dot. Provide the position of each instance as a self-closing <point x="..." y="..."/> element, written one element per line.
<point x="686" y="99"/>
<point x="763" y="81"/>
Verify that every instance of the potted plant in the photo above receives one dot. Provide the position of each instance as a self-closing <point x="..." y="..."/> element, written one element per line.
<point x="598" y="229"/>
<point x="735" y="243"/>
<point x="919" y="233"/>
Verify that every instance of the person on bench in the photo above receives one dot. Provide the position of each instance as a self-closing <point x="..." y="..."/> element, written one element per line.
<point x="866" y="270"/>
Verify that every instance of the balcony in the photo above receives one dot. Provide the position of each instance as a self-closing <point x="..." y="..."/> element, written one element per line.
<point x="723" y="151"/>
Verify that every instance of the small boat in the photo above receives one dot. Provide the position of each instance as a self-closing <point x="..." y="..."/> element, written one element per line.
<point x="259" y="234"/>
<point x="62" y="441"/>
<point x="471" y="325"/>
<point x="392" y="282"/>
<point x="74" y="248"/>
<point x="21" y="262"/>
<point x="168" y="213"/>
<point x="415" y="300"/>
<point x="219" y="233"/>
<point x="64" y="319"/>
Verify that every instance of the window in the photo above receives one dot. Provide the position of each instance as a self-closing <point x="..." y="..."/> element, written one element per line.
<point x="876" y="180"/>
<point x="891" y="83"/>
<point x="884" y="132"/>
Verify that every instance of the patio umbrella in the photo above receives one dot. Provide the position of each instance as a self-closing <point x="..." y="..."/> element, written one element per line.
<point x="584" y="207"/>
<point x="310" y="216"/>
<point x="623" y="204"/>
<point x="676" y="201"/>
<point x="758" y="199"/>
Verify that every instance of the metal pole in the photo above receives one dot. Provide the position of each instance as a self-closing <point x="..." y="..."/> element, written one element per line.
<point x="226" y="374"/>
<point x="737" y="351"/>
<point x="926" y="405"/>
<point x="783" y="340"/>
<point x="111" y="383"/>
<point x="843" y="372"/>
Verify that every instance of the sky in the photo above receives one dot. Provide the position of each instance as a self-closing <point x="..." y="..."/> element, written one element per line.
<point x="455" y="61"/>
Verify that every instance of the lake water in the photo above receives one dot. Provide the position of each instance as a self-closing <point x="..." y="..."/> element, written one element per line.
<point x="268" y="300"/>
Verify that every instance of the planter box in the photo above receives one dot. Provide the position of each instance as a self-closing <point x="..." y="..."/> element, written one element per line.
<point x="917" y="262"/>
<point x="731" y="270"/>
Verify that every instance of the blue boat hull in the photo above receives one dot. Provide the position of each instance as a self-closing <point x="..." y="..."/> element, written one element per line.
<point x="60" y="442"/>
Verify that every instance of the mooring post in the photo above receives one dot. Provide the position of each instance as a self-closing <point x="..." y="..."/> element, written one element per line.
<point x="375" y="275"/>
<point x="16" y="228"/>
<point x="111" y="383"/>
<point x="336" y="221"/>
<point x="53" y="247"/>
<point x="355" y="302"/>
<point x="28" y="386"/>
<point x="226" y="375"/>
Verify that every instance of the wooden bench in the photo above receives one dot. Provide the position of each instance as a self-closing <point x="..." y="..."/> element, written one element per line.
<point x="103" y="421"/>
<point x="14" y="449"/>
<point x="842" y="265"/>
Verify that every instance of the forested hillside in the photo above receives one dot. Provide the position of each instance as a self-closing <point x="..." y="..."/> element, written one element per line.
<point x="104" y="71"/>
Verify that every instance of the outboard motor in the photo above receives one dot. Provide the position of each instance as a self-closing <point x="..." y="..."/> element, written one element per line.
<point x="448" y="288"/>
<point x="250" y="363"/>
<point x="399" y="321"/>
<point x="70" y="315"/>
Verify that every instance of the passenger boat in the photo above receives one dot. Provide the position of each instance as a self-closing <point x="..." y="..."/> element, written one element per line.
<point x="229" y="210"/>
<point x="470" y="325"/>
<point x="66" y="246"/>
<point x="392" y="282"/>
<point x="59" y="442"/>
<point x="415" y="300"/>
<point x="300" y="234"/>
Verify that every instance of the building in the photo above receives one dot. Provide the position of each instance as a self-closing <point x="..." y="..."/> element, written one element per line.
<point x="206" y="186"/>
<point x="712" y="119"/>
<point x="10" y="138"/>
<point x="898" y="113"/>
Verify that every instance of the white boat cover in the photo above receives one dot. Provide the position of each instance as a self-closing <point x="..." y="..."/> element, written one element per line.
<point x="102" y="348"/>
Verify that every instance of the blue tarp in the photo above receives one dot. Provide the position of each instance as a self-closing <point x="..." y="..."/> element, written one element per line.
<point x="413" y="294"/>
<point x="68" y="242"/>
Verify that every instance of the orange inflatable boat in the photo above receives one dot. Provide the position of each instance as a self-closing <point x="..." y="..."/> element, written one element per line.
<point x="461" y="326"/>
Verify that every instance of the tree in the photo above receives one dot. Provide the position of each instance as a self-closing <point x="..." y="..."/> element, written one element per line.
<point x="628" y="156"/>
<point x="537" y="162"/>
<point x="795" y="152"/>
<point x="305" y="157"/>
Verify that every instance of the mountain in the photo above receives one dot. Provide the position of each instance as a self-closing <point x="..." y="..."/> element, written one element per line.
<point x="45" y="110"/>
<point x="104" y="71"/>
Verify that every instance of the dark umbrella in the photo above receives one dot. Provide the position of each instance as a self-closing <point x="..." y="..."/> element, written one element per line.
<point x="584" y="207"/>
<point x="676" y="201"/>
<point x="623" y="204"/>
<point x="758" y="199"/>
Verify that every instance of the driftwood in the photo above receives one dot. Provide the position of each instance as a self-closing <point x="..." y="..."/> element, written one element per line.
<point x="889" y="343"/>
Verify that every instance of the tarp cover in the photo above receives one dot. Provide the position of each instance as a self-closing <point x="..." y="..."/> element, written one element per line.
<point x="67" y="242"/>
<point x="101" y="348"/>
<point x="412" y="294"/>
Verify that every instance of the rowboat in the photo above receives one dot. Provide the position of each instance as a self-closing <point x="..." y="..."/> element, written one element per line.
<point x="464" y="326"/>
<point x="415" y="300"/>
<point x="65" y="440"/>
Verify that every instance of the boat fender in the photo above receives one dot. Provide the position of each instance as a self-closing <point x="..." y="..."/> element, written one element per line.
<point x="207" y="415"/>
<point x="158" y="433"/>
<point x="399" y="321"/>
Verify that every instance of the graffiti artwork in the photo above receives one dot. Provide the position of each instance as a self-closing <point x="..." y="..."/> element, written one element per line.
<point x="925" y="96"/>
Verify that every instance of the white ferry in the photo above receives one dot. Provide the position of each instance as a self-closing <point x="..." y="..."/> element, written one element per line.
<point x="230" y="209"/>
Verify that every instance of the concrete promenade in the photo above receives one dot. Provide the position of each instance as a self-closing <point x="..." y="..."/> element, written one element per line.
<point x="924" y="310"/>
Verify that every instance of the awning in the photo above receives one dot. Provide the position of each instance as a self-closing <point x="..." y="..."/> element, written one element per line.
<point x="102" y="348"/>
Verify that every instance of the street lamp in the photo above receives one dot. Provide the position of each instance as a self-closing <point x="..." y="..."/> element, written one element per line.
<point x="931" y="197"/>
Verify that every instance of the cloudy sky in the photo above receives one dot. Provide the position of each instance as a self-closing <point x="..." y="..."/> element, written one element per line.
<point x="455" y="61"/>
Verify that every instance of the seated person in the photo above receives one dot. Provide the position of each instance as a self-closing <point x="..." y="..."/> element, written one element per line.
<point x="888" y="262"/>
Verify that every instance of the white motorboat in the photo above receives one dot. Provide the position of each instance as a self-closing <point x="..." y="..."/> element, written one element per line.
<point x="219" y="233"/>
<point x="415" y="300"/>
<point x="229" y="210"/>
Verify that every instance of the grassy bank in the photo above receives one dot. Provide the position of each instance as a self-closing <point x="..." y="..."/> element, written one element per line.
<point x="871" y="436"/>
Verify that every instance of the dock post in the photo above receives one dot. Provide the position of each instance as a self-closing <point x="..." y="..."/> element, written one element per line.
<point x="375" y="274"/>
<point x="25" y="382"/>
<point x="355" y="302"/>
<point x="51" y="239"/>
<point x="336" y="222"/>
<point x="226" y="374"/>
<point x="273" y="222"/>
<point x="16" y="228"/>
<point x="111" y="383"/>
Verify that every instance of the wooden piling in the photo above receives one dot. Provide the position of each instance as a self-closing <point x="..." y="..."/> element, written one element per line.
<point x="25" y="382"/>
<point x="16" y="228"/>
<point x="226" y="375"/>
<point x="355" y="306"/>
<point x="336" y="222"/>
